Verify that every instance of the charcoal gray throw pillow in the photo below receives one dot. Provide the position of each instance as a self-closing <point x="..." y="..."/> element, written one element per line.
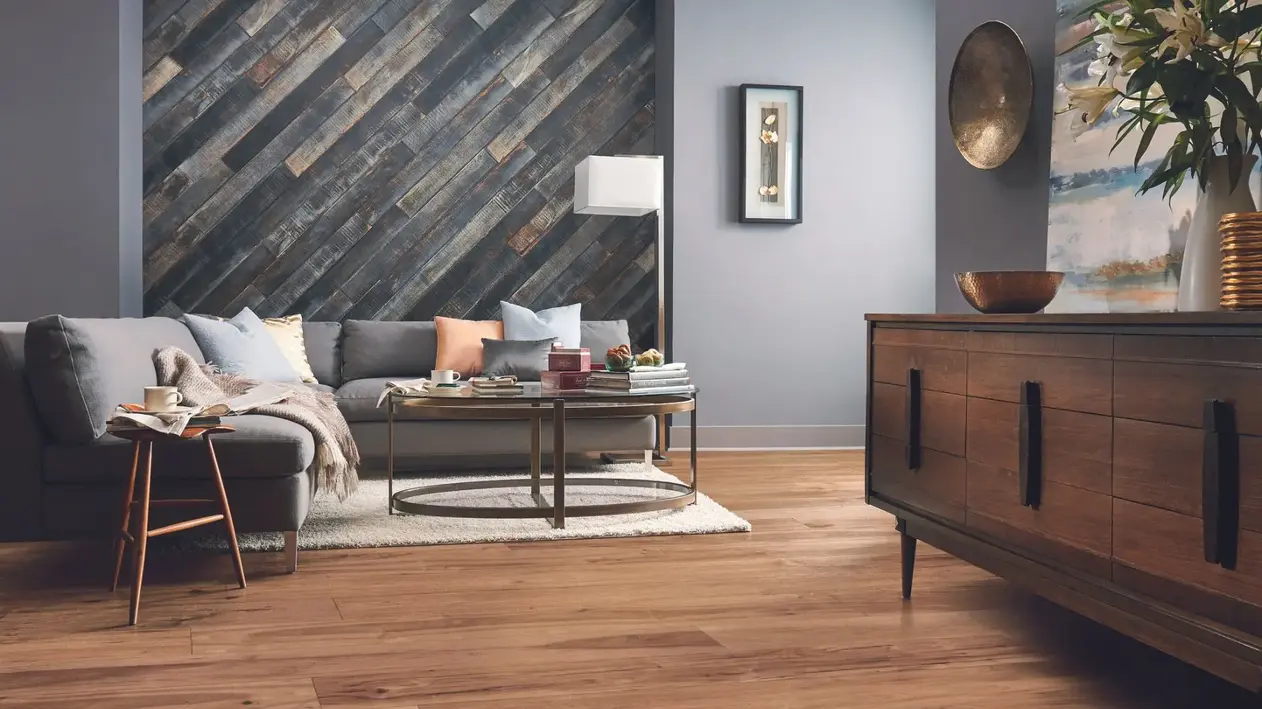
<point x="524" y="359"/>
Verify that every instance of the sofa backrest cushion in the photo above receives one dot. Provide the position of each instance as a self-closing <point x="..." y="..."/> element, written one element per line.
<point x="600" y="336"/>
<point x="79" y="370"/>
<point x="387" y="349"/>
<point x="323" y="342"/>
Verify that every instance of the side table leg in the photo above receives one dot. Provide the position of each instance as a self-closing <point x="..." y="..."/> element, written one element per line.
<point x="390" y="453"/>
<point x="536" y="452"/>
<point x="140" y="536"/>
<point x="227" y="512"/>
<point x="692" y="444"/>
<point x="120" y="545"/>
<point x="558" y="463"/>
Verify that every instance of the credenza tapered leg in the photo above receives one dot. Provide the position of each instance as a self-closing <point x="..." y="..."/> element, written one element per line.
<point x="908" y="557"/>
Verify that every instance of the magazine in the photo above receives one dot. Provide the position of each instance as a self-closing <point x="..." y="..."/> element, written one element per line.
<point x="131" y="416"/>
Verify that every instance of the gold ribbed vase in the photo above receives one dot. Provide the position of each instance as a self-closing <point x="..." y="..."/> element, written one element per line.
<point x="1241" y="234"/>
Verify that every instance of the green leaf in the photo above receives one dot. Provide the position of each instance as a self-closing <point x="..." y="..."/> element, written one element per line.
<point x="1124" y="131"/>
<point x="1234" y="25"/>
<point x="1146" y="140"/>
<point x="1084" y="41"/>
<point x="1238" y="95"/>
<point x="1142" y="79"/>
<point x="1227" y="125"/>
<point x="1235" y="163"/>
<point x="1093" y="8"/>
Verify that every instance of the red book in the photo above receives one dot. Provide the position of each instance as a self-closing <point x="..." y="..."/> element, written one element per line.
<point x="570" y="361"/>
<point x="564" y="380"/>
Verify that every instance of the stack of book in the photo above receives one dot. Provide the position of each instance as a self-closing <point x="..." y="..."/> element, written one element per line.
<point x="668" y="379"/>
<point x="496" y="386"/>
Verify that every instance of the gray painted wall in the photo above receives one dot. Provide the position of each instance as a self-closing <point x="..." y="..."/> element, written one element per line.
<point x="69" y="157"/>
<point x="997" y="219"/>
<point x="770" y="318"/>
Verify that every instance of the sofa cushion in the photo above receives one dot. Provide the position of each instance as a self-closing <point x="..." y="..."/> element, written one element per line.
<point x="524" y="359"/>
<point x="290" y="337"/>
<point x="460" y="343"/>
<point x="600" y="336"/>
<point x="260" y="447"/>
<point x="357" y="398"/>
<point x="562" y="323"/>
<point x="387" y="349"/>
<point x="242" y="346"/>
<point x="323" y="341"/>
<point x="79" y="369"/>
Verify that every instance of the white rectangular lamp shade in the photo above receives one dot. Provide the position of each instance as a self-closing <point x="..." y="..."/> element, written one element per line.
<point x="626" y="186"/>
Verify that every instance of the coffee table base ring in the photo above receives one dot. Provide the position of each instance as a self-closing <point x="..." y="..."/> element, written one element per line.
<point x="402" y="500"/>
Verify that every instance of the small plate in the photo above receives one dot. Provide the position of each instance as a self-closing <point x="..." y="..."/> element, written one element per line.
<point x="172" y="410"/>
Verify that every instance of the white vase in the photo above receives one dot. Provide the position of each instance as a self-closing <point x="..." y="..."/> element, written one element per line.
<point x="1201" y="280"/>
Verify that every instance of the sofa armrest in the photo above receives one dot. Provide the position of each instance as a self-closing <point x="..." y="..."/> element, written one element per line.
<point x="22" y="441"/>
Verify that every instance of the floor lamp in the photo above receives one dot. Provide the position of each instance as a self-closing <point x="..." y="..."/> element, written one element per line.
<point x="629" y="186"/>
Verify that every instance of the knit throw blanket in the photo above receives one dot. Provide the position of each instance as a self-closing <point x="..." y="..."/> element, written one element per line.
<point x="336" y="456"/>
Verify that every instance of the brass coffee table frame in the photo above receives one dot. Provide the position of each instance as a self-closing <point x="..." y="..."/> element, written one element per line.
<point x="537" y="410"/>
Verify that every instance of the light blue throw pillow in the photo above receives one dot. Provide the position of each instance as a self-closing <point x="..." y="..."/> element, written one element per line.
<point x="242" y="346"/>
<point x="563" y="323"/>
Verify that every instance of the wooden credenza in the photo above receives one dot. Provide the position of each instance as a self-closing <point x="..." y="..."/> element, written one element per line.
<point x="1111" y="463"/>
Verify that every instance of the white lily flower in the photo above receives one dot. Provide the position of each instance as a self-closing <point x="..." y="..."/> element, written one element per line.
<point x="1091" y="101"/>
<point x="1187" y="30"/>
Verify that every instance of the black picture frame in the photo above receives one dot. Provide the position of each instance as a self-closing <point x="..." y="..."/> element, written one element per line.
<point x="750" y="212"/>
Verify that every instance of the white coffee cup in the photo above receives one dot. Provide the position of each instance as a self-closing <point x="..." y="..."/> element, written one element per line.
<point x="444" y="376"/>
<point x="162" y="398"/>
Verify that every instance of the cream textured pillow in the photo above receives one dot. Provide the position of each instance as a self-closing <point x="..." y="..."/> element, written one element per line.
<point x="287" y="332"/>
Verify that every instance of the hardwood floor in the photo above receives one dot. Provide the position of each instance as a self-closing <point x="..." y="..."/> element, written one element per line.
<point x="804" y="612"/>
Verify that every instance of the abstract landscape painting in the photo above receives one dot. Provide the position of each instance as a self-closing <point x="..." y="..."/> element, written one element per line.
<point x="1121" y="252"/>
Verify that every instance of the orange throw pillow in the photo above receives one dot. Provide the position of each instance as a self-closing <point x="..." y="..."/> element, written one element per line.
<point x="460" y="343"/>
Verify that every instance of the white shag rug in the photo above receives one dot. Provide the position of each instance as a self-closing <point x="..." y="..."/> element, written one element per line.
<point x="362" y="520"/>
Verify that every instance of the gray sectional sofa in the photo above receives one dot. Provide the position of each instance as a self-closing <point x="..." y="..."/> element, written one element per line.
<point x="63" y="477"/>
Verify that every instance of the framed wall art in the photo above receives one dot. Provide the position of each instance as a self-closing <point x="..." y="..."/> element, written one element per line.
<point x="770" y="154"/>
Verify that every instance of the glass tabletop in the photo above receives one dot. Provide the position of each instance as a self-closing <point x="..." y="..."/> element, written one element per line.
<point x="534" y="391"/>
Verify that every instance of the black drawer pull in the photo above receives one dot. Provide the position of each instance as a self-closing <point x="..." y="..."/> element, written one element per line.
<point x="1030" y="438"/>
<point x="913" y="419"/>
<point x="1220" y="483"/>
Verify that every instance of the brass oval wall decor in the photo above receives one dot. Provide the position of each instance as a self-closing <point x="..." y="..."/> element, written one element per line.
<point x="990" y="96"/>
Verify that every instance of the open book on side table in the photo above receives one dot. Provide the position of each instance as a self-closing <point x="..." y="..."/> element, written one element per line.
<point x="173" y="422"/>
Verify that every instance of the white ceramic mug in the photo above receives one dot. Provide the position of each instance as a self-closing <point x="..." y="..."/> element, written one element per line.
<point x="162" y="398"/>
<point x="444" y="376"/>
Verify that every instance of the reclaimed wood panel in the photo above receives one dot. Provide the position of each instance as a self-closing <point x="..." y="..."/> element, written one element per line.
<point x="393" y="159"/>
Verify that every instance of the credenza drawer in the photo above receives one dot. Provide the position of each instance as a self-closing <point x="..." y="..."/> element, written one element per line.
<point x="1176" y="393"/>
<point x="937" y="487"/>
<point x="1076" y="446"/>
<point x="1161" y="466"/>
<point x="1072" y="525"/>
<point x="941" y="370"/>
<point x="1072" y="383"/>
<point x="1169" y="545"/>
<point x="941" y="417"/>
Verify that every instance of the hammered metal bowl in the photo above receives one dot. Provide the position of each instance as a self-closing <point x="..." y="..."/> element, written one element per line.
<point x="990" y="95"/>
<point x="1009" y="291"/>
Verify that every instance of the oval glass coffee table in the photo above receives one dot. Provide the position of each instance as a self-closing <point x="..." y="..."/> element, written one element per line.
<point x="537" y="405"/>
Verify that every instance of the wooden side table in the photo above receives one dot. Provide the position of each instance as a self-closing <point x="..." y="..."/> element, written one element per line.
<point x="138" y="500"/>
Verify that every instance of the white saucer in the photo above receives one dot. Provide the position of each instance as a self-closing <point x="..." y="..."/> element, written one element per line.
<point x="172" y="410"/>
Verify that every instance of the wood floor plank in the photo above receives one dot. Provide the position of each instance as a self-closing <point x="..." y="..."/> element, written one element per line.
<point x="802" y="613"/>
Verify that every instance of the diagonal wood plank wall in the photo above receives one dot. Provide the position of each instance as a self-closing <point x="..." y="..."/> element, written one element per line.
<point x="393" y="159"/>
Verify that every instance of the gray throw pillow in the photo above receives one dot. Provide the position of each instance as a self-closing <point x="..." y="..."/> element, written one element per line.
<point x="525" y="324"/>
<point x="600" y="336"/>
<point x="524" y="359"/>
<point x="241" y="346"/>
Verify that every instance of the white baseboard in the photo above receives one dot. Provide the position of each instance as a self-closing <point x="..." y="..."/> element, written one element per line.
<point x="769" y="437"/>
